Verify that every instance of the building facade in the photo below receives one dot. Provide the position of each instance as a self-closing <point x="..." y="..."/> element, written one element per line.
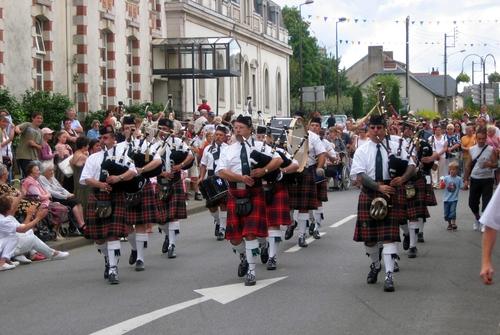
<point x="98" y="52"/>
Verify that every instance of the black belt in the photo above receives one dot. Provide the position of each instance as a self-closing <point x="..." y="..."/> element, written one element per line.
<point x="258" y="183"/>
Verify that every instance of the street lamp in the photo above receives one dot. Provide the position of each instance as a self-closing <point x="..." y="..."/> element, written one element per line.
<point x="308" y="2"/>
<point x="445" y="80"/>
<point x="483" y="66"/>
<point x="341" y="19"/>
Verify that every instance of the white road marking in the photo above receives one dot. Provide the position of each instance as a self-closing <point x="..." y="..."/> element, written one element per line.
<point x="309" y="241"/>
<point x="222" y="294"/>
<point x="344" y="220"/>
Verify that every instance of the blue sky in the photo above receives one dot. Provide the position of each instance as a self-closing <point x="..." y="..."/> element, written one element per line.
<point x="477" y="26"/>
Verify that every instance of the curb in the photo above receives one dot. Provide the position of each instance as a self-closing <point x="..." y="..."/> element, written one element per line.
<point x="80" y="241"/>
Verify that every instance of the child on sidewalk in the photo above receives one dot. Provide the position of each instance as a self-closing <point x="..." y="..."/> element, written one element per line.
<point x="453" y="184"/>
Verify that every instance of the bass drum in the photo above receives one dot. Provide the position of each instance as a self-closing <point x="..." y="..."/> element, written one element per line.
<point x="291" y="134"/>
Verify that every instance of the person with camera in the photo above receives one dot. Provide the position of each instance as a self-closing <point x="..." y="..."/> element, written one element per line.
<point x="480" y="175"/>
<point x="107" y="216"/>
<point x="381" y="205"/>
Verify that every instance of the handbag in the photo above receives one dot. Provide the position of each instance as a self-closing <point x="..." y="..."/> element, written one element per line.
<point x="103" y="209"/>
<point x="410" y="191"/>
<point x="243" y="206"/>
<point x="65" y="166"/>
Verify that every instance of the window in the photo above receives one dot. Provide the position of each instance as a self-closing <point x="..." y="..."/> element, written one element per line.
<point x="266" y="89"/>
<point x="221" y="81"/>
<point x="278" y="88"/>
<point x="246" y="81"/>
<point x="238" y="90"/>
<point x="130" y="70"/>
<point x="38" y="73"/>
<point x="104" y="69"/>
<point x="201" y="88"/>
<point x="254" y="90"/>
<point x="40" y="45"/>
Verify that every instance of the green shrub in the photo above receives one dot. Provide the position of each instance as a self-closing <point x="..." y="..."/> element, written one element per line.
<point x="91" y="116"/>
<point x="428" y="114"/>
<point x="8" y="101"/>
<point x="52" y="105"/>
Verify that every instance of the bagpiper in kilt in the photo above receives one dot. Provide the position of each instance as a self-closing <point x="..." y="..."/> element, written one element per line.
<point x="175" y="156"/>
<point x="246" y="206"/>
<point x="381" y="206"/>
<point x="304" y="194"/>
<point x="144" y="210"/>
<point x="212" y="186"/>
<point x="108" y="218"/>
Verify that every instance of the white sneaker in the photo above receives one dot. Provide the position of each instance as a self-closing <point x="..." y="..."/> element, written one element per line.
<point x="60" y="255"/>
<point x="483" y="228"/>
<point x="15" y="263"/>
<point x="22" y="259"/>
<point x="7" y="266"/>
<point x="475" y="226"/>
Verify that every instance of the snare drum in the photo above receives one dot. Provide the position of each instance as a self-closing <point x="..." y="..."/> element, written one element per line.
<point x="213" y="188"/>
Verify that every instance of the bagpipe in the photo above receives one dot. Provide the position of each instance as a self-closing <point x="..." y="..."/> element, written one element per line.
<point x="397" y="165"/>
<point x="142" y="159"/>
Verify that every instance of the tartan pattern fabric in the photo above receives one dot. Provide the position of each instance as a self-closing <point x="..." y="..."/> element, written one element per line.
<point x="416" y="207"/>
<point x="303" y="194"/>
<point x="253" y="224"/>
<point x="278" y="212"/>
<point x="322" y="192"/>
<point x="115" y="225"/>
<point x="387" y="230"/>
<point x="430" y="197"/>
<point x="146" y="211"/>
<point x="175" y="205"/>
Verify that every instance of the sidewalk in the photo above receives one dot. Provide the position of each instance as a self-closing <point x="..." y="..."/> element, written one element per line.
<point x="68" y="243"/>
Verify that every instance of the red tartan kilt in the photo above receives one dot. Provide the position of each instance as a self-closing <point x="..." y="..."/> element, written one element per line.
<point x="253" y="224"/>
<point x="146" y="211"/>
<point x="175" y="206"/>
<point x="416" y="207"/>
<point x="278" y="212"/>
<point x="322" y="192"/>
<point x="114" y="226"/>
<point x="430" y="197"/>
<point x="303" y="194"/>
<point x="369" y="230"/>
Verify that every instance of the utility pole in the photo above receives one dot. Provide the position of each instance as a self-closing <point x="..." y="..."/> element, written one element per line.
<point x="445" y="79"/>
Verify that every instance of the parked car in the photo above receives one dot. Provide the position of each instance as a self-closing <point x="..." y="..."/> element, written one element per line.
<point x="339" y="118"/>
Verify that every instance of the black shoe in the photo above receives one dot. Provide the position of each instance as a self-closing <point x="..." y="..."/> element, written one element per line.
<point x="388" y="283"/>
<point x="420" y="237"/>
<point x="271" y="263"/>
<point x="316" y="234"/>
<point x="373" y="274"/>
<point x="139" y="265"/>
<point x="198" y="196"/>
<point x="243" y="266"/>
<point x="113" y="276"/>
<point x="412" y="253"/>
<point x="221" y="236"/>
<point x="133" y="257"/>
<point x="289" y="230"/>
<point x="264" y="254"/>
<point x="250" y="279"/>
<point x="302" y="242"/>
<point x="217" y="229"/>
<point x="171" y="251"/>
<point x="106" y="271"/>
<point x="312" y="225"/>
<point x="396" y="266"/>
<point x="406" y="241"/>
<point x="164" y="247"/>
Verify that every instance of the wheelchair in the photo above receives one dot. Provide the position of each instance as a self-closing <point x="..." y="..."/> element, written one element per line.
<point x="338" y="174"/>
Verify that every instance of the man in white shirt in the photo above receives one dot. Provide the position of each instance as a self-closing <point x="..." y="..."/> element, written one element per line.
<point x="370" y="167"/>
<point x="491" y="220"/>
<point x="246" y="207"/>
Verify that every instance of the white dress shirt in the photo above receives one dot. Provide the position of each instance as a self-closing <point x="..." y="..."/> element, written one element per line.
<point x="208" y="156"/>
<point x="316" y="148"/>
<point x="92" y="167"/>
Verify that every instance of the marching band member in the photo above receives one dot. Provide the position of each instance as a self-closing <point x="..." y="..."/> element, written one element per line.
<point x="304" y="194"/>
<point x="107" y="216"/>
<point x="246" y="203"/>
<point x="371" y="168"/>
<point x="208" y="164"/>
<point x="145" y="208"/>
<point x="175" y="156"/>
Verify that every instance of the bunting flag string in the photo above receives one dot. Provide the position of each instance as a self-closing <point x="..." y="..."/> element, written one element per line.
<point x="402" y="21"/>
<point x="429" y="43"/>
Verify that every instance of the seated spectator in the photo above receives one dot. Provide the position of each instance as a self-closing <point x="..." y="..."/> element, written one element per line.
<point x="93" y="133"/>
<point x="32" y="188"/>
<point x="72" y="135"/>
<point x="60" y="194"/>
<point x="6" y="189"/>
<point x="77" y="162"/>
<point x="63" y="151"/>
<point x="94" y="146"/>
<point x="18" y="238"/>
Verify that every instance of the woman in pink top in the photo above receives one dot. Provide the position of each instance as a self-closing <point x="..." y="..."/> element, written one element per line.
<point x="63" y="151"/>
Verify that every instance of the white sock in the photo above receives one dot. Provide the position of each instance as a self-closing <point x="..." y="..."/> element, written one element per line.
<point x="252" y="249"/>
<point x="132" y="240"/>
<point x="302" y="223"/>
<point x="421" y="225"/>
<point x="389" y="250"/>
<point x="113" y="253"/>
<point x="222" y="220"/>
<point x="142" y="242"/>
<point x="172" y="228"/>
<point x="239" y="249"/>
<point x="404" y="228"/>
<point x="413" y="237"/>
<point x="215" y="215"/>
<point x="317" y="218"/>
<point x="274" y="242"/>
<point x="295" y="214"/>
<point x="372" y="252"/>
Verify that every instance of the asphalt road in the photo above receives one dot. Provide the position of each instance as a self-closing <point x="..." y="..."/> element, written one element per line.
<point x="324" y="290"/>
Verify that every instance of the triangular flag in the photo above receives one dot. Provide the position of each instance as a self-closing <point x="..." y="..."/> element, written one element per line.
<point x="309" y="16"/>
<point x="325" y="18"/>
<point x="412" y="22"/>
<point x="364" y="20"/>
<point x="356" y="20"/>
<point x="421" y="22"/>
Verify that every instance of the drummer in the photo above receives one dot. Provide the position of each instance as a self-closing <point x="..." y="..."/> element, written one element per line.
<point x="208" y="164"/>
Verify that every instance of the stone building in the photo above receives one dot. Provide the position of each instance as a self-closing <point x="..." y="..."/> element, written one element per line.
<point x="98" y="52"/>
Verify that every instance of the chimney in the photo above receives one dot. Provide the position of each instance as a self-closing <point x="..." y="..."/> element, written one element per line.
<point x="435" y="72"/>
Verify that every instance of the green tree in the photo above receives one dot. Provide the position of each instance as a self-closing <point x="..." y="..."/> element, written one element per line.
<point x="9" y="102"/>
<point x="390" y="84"/>
<point x="470" y="105"/>
<point x="394" y="98"/>
<point x="463" y="78"/>
<point x="494" y="77"/>
<point x="357" y="103"/>
<point x="52" y="105"/>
